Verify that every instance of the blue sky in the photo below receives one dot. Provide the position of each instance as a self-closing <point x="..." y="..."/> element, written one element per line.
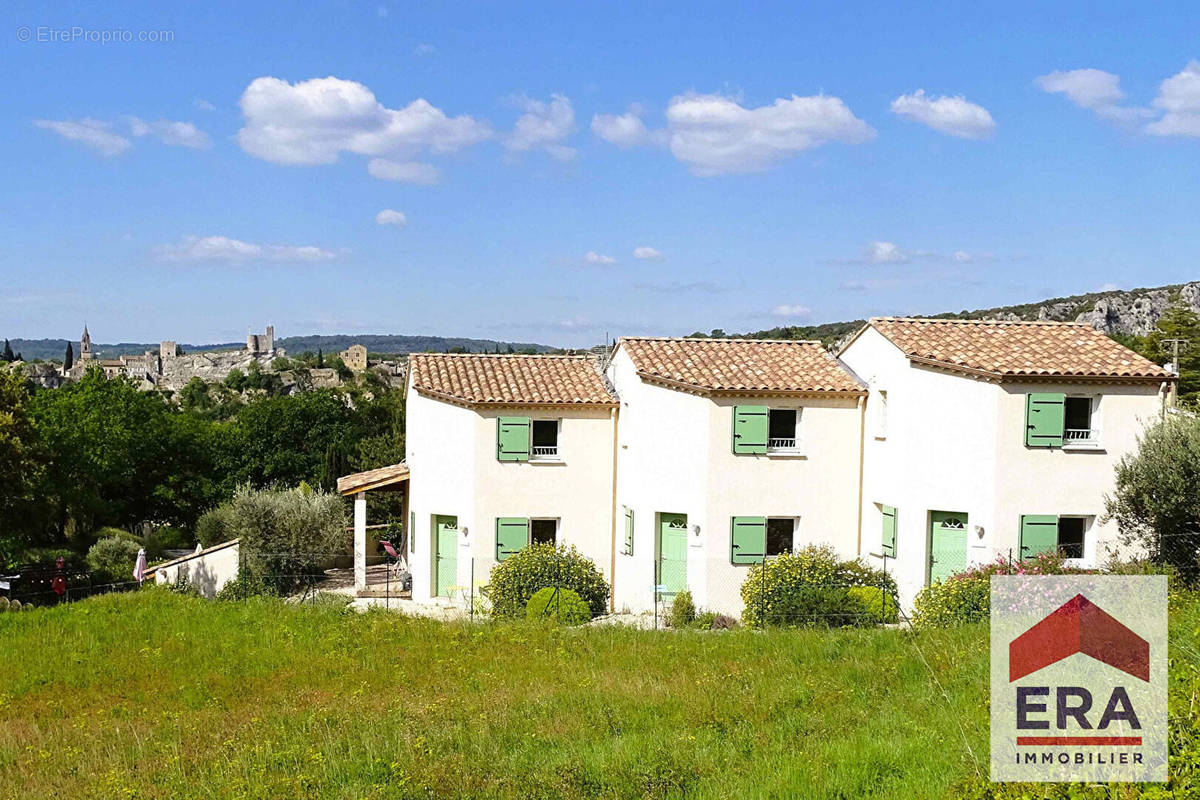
<point x="557" y="172"/>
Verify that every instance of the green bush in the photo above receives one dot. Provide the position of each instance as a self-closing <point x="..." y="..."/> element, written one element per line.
<point x="112" y="558"/>
<point x="565" y="607"/>
<point x="515" y="580"/>
<point x="704" y="620"/>
<point x="213" y="526"/>
<point x="966" y="597"/>
<point x="115" y="533"/>
<point x="285" y="535"/>
<point x="810" y="587"/>
<point x="243" y="586"/>
<point x="683" y="610"/>
<point x="877" y="605"/>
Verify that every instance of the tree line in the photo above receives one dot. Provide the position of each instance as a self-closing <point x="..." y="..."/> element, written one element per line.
<point x="99" y="452"/>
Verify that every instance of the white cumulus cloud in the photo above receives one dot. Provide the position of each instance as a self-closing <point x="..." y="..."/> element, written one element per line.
<point x="544" y="126"/>
<point x="1093" y="89"/>
<point x="313" y="121"/>
<point x="952" y="115"/>
<point x="1179" y="101"/>
<point x="886" y="253"/>
<point x="716" y="135"/>
<point x="92" y="133"/>
<point x="391" y="217"/>
<point x="417" y="172"/>
<point x="183" y="134"/>
<point x="598" y="259"/>
<point x="228" y="250"/>
<point x="647" y="254"/>
<point x="623" y="130"/>
<point x="791" y="311"/>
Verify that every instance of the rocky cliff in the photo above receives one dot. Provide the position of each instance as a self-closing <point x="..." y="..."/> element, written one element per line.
<point x="1135" y="311"/>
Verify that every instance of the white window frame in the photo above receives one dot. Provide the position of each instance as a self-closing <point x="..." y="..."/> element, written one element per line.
<point x="796" y="449"/>
<point x="546" y="458"/>
<point x="1088" y="559"/>
<point x="1093" y="441"/>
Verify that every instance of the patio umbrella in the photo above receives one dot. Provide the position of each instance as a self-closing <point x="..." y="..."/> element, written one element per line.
<point x="139" y="569"/>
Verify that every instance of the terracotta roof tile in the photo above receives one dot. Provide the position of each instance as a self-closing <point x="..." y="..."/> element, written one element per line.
<point x="1005" y="349"/>
<point x="740" y="365"/>
<point x="509" y="379"/>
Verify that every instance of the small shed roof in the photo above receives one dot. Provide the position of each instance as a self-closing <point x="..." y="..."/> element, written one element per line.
<point x="380" y="478"/>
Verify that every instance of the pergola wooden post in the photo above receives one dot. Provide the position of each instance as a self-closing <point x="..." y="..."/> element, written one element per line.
<point x="393" y="478"/>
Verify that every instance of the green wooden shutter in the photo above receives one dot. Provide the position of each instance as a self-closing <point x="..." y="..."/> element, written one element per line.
<point x="1039" y="534"/>
<point x="889" y="532"/>
<point x="748" y="540"/>
<point x="750" y="427"/>
<point x="512" y="438"/>
<point x="512" y="534"/>
<point x="412" y="531"/>
<point x="629" y="531"/>
<point x="1044" y="415"/>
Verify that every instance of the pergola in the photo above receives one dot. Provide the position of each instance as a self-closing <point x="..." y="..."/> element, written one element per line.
<point x="384" y="479"/>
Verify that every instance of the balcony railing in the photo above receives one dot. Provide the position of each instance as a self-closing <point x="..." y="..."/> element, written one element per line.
<point x="545" y="452"/>
<point x="1080" y="435"/>
<point x="781" y="443"/>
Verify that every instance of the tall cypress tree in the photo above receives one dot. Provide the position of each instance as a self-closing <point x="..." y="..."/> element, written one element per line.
<point x="8" y="353"/>
<point x="69" y="358"/>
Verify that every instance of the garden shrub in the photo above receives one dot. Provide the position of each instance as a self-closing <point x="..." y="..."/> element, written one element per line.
<point x="966" y="597"/>
<point x="724" y="622"/>
<point x="566" y="607"/>
<point x="683" y="610"/>
<point x="878" y="606"/>
<point x="213" y="526"/>
<point x="704" y="620"/>
<point x="515" y="580"/>
<point x="809" y="587"/>
<point x="286" y="534"/>
<point x="115" y="533"/>
<point x="112" y="559"/>
<point x="243" y="586"/>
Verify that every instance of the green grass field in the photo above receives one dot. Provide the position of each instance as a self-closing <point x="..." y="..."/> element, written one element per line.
<point x="158" y="695"/>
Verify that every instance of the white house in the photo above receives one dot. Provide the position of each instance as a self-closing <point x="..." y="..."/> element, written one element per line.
<point x="989" y="438"/>
<point x="728" y="450"/>
<point x="503" y="451"/>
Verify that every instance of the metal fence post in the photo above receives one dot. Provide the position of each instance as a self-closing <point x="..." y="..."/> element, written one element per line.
<point x="762" y="594"/>
<point x="471" y="613"/>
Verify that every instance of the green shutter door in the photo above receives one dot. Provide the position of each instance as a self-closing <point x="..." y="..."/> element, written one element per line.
<point x="1039" y="534"/>
<point x="629" y="531"/>
<point x="1044" y="415"/>
<point x="888" y="545"/>
<point x="748" y="540"/>
<point x="447" y="554"/>
<point x="512" y="533"/>
<point x="750" y="427"/>
<point x="947" y="544"/>
<point x="672" y="552"/>
<point x="512" y="438"/>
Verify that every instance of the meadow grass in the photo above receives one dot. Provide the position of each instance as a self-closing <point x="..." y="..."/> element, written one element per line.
<point x="155" y="695"/>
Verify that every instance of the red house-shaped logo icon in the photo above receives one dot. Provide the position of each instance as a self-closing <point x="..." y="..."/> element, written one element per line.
<point x="1078" y="626"/>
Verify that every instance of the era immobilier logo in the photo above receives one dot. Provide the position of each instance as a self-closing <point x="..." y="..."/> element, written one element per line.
<point x="1079" y="678"/>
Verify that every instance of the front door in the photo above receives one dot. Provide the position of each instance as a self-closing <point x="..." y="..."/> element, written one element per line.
<point x="947" y="544"/>
<point x="446" y="554"/>
<point x="672" y="553"/>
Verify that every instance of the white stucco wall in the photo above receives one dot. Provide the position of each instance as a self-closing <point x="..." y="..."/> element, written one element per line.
<point x="675" y="456"/>
<point x="956" y="443"/>
<point x="451" y="453"/>
<point x="207" y="572"/>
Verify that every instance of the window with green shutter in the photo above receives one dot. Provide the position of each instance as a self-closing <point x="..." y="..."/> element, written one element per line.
<point x="1044" y="416"/>
<point x="512" y="438"/>
<point x="751" y="427"/>
<point x="748" y="540"/>
<point x="512" y="534"/>
<point x="888" y="545"/>
<point x="628" y="532"/>
<point x="1039" y="534"/>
